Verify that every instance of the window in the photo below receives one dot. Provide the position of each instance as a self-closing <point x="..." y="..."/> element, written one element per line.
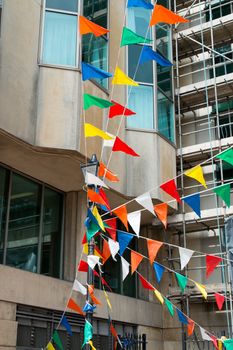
<point x="219" y="9"/>
<point x="225" y="112"/>
<point x="1" y="1"/>
<point x="60" y="32"/>
<point x="30" y="227"/>
<point x="222" y="66"/>
<point x="95" y="49"/>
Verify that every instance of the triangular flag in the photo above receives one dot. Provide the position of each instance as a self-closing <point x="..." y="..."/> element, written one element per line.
<point x="83" y="267"/>
<point x="97" y="252"/>
<point x="92" y="230"/>
<point x="91" y="179"/>
<point x="104" y="172"/>
<point x="118" y="109"/>
<point x="215" y="342"/>
<point x="120" y="78"/>
<point x="146" y="202"/>
<point x="153" y="248"/>
<point x="145" y="283"/>
<point x="121" y="213"/>
<point x="182" y="281"/>
<point x="78" y="287"/>
<point x="92" y="131"/>
<point x="204" y="334"/>
<point x="90" y="100"/>
<point x="95" y="197"/>
<point x="109" y="143"/>
<point x="114" y="248"/>
<point x="50" y="346"/>
<point x="113" y="331"/>
<point x="107" y="300"/>
<point x="227" y="156"/>
<point x="91" y="72"/>
<point x="169" y="307"/>
<point x="104" y="283"/>
<point x="136" y="259"/>
<point x="162" y="15"/>
<point x="161" y="211"/>
<point x="57" y="340"/>
<point x="170" y="188"/>
<point x="93" y="297"/>
<point x="185" y="256"/>
<point x="120" y="146"/>
<point x="182" y="318"/>
<point x="134" y="220"/>
<point x="228" y="343"/>
<point x="125" y="268"/>
<point x="202" y="289"/>
<point x="190" y="327"/>
<point x="84" y="240"/>
<point x="104" y="196"/>
<point x="106" y="252"/>
<point x="112" y="230"/>
<point x="98" y="218"/>
<point x="220" y="299"/>
<point x="147" y="54"/>
<point x="224" y="192"/>
<point x="91" y="345"/>
<point x="159" y="270"/>
<point x="130" y="38"/>
<point x="124" y="239"/>
<point x="197" y="174"/>
<point x="194" y="201"/>
<point x="73" y="306"/>
<point x="65" y="323"/>
<point x="211" y="263"/>
<point x="86" y="26"/>
<point x="159" y="296"/>
<point x="140" y="3"/>
<point x="92" y="261"/>
<point x="88" y="333"/>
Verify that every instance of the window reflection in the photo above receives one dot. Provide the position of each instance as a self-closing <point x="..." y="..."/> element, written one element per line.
<point x="3" y="207"/>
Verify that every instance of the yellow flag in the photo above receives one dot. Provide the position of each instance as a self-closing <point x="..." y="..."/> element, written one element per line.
<point x="91" y="345"/>
<point x="98" y="218"/>
<point x="202" y="289"/>
<point x="85" y="251"/>
<point x="197" y="174"/>
<point x="159" y="296"/>
<point x="108" y="301"/>
<point x="50" y="346"/>
<point x="219" y="344"/>
<point x="91" y="131"/>
<point x="120" y="78"/>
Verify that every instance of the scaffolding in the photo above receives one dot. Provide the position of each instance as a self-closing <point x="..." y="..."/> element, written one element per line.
<point x="203" y="56"/>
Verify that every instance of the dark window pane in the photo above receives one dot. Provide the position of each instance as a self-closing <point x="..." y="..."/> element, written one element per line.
<point x="51" y="246"/>
<point x="165" y="117"/>
<point x="96" y="11"/>
<point x="24" y="222"/>
<point x="165" y="80"/>
<point x="145" y="71"/>
<point x="3" y="204"/>
<point x="65" y="5"/>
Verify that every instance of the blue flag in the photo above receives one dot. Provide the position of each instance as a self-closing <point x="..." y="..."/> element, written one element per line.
<point x="182" y="317"/>
<point x="124" y="240"/>
<point x="148" y="54"/>
<point x="159" y="270"/>
<point x="90" y="72"/>
<point x="65" y="323"/>
<point x="140" y="3"/>
<point x="89" y="307"/>
<point x="194" y="202"/>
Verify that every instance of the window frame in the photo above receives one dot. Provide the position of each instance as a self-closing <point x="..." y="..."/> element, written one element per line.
<point x="40" y="237"/>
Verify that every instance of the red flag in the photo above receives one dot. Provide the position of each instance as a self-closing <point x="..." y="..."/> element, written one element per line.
<point x="215" y="342"/>
<point x="73" y="306"/>
<point x="104" y="172"/>
<point x="190" y="327"/>
<point x="113" y="331"/>
<point x="161" y="212"/>
<point x="112" y="230"/>
<point x="105" y="284"/>
<point x="96" y="198"/>
<point x="153" y="248"/>
<point x="170" y="188"/>
<point x="83" y="267"/>
<point x="121" y="212"/>
<point x="219" y="300"/>
<point x="136" y="259"/>
<point x="106" y="253"/>
<point x="120" y="146"/>
<point x="118" y="109"/>
<point x="145" y="283"/>
<point x="103" y="195"/>
<point x="211" y="263"/>
<point x="84" y="241"/>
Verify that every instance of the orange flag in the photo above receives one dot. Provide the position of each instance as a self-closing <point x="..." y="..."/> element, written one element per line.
<point x="86" y="26"/>
<point x="121" y="213"/>
<point x="136" y="259"/>
<point x="103" y="171"/>
<point x="161" y="212"/>
<point x="153" y="248"/>
<point x="190" y="327"/>
<point x="106" y="252"/>
<point x="113" y="331"/>
<point x="95" y="197"/>
<point x="162" y="14"/>
<point x="73" y="306"/>
<point x="93" y="297"/>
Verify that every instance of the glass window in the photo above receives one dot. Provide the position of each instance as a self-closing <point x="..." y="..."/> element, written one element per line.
<point x="3" y="201"/>
<point x="165" y="117"/>
<point x="141" y="101"/>
<point x="138" y="21"/>
<point x="71" y="5"/>
<point x="144" y="72"/>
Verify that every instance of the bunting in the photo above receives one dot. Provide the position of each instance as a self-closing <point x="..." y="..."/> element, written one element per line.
<point x="92" y="131"/>
<point x="120" y="78"/>
<point x="202" y="289"/>
<point x="228" y="343"/>
<point x="118" y="109"/>
<point x="57" y="340"/>
<point x="227" y="156"/>
<point x="211" y="263"/>
<point x="124" y="239"/>
<point x="114" y="248"/>
<point x="50" y="346"/>
<point x="145" y="283"/>
<point x="106" y="253"/>
<point x="104" y="172"/>
<point x="125" y="268"/>
<point x="121" y="213"/>
<point x="194" y="202"/>
<point x="146" y="202"/>
<point x="159" y="270"/>
<point x="147" y="54"/>
<point x="91" y="179"/>
<point x="197" y="174"/>
<point x="78" y="287"/>
<point x="130" y="38"/>
<point x="161" y="210"/>
<point x="220" y="299"/>
<point x="91" y="345"/>
<point x="182" y="281"/>
<point x="104" y="196"/>
<point x="120" y="146"/>
<point x="182" y="318"/>
<point x="92" y="261"/>
<point x="95" y="197"/>
<point x="190" y="327"/>
<point x="185" y="256"/>
<point x="65" y="323"/>
<point x="140" y="3"/>
<point x="104" y="283"/>
<point x="91" y="72"/>
<point x="90" y="100"/>
<point x="169" y="307"/>
<point x="98" y="218"/>
<point x="112" y="229"/>
<point x="73" y="306"/>
<point x="159" y="296"/>
<point x="162" y="15"/>
<point x="134" y="220"/>
<point x="86" y="27"/>
<point x="153" y="248"/>
<point x="92" y="295"/>
<point x="107" y="300"/>
<point x="204" y="334"/>
<point x="88" y="333"/>
<point x="171" y="189"/>
<point x="224" y="192"/>
<point x="136" y="259"/>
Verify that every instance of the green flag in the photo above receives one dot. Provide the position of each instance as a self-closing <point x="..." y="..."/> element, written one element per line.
<point x="90" y="100"/>
<point x="92" y="229"/>
<point x="57" y="340"/>
<point x="129" y="38"/>
<point x="169" y="307"/>
<point x="228" y="344"/>
<point x="227" y="156"/>
<point x="182" y="281"/>
<point x="88" y="332"/>
<point x="224" y="192"/>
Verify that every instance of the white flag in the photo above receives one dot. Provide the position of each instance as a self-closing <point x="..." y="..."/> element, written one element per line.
<point x="185" y="256"/>
<point x="204" y="335"/>
<point x="93" y="260"/>
<point x="146" y="202"/>
<point x="78" y="287"/>
<point x="109" y="143"/>
<point x="134" y="220"/>
<point x="91" y="179"/>
<point x="125" y="268"/>
<point x="114" y="248"/>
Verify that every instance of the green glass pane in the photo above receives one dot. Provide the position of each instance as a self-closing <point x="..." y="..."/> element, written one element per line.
<point x="166" y="117"/>
<point x="3" y="204"/>
<point x="52" y="232"/>
<point x="71" y="5"/>
<point x="144" y="72"/>
<point x="138" y="20"/>
<point x="24" y="220"/>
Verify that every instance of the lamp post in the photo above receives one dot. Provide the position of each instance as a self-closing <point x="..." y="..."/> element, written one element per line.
<point x="90" y="167"/>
